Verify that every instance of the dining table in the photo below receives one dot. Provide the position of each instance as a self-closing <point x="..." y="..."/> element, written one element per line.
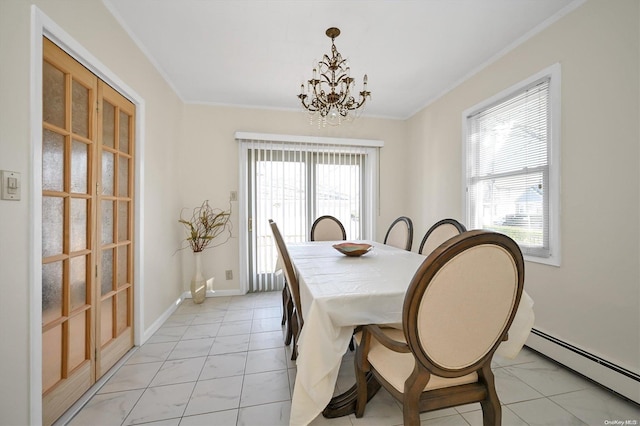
<point x="339" y="293"/>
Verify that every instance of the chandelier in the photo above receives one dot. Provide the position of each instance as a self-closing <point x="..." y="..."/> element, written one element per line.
<point x="331" y="87"/>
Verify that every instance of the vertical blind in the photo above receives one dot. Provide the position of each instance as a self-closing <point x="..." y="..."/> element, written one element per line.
<point x="508" y="168"/>
<point x="294" y="183"/>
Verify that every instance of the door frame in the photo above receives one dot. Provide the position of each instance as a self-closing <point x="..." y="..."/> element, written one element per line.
<point x="42" y="25"/>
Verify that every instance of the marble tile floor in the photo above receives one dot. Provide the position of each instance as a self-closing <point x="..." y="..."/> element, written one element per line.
<point x="224" y="363"/>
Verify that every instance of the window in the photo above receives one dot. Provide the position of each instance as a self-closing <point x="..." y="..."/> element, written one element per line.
<point x="511" y="165"/>
<point x="294" y="180"/>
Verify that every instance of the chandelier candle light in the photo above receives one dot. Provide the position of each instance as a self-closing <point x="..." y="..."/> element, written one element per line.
<point x="331" y="99"/>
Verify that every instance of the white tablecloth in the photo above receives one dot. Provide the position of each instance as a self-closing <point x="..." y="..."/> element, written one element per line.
<point x="339" y="292"/>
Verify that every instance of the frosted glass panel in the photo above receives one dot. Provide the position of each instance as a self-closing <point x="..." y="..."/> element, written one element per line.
<point x="51" y="291"/>
<point x="52" y="225"/>
<point x="121" y="318"/>
<point x="106" y="321"/>
<point x="80" y="109"/>
<point x="78" y="224"/>
<point x="52" y="95"/>
<point x="77" y="340"/>
<point x="107" y="272"/>
<point x="78" y="281"/>
<point x="79" y="175"/>
<point x="123" y="176"/>
<point x="52" y="362"/>
<point x="108" y="124"/>
<point x="52" y="161"/>
<point x="107" y="222"/>
<point x="122" y="265"/>
<point x="123" y="221"/>
<point x="107" y="173"/>
<point x="124" y="132"/>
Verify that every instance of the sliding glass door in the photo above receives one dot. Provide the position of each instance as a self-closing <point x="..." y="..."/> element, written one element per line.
<point x="294" y="183"/>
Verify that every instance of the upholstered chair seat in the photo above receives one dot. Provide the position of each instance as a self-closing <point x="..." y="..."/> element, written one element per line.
<point x="397" y="367"/>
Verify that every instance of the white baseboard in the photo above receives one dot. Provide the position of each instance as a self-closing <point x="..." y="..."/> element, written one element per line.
<point x="215" y="293"/>
<point x="161" y="319"/>
<point x="618" y="379"/>
<point x="171" y="309"/>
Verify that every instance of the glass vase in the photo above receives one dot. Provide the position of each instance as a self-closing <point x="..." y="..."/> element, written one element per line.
<point x="198" y="283"/>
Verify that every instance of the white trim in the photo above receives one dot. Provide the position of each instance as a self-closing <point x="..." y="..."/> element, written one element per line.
<point x="553" y="71"/>
<point x="162" y="318"/>
<point x="35" y="216"/>
<point x="271" y="137"/>
<point x="42" y="25"/>
<point x="243" y="215"/>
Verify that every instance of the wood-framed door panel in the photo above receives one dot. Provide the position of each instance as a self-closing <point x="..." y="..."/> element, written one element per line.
<point x="68" y="218"/>
<point x="115" y="216"/>
<point x="85" y="330"/>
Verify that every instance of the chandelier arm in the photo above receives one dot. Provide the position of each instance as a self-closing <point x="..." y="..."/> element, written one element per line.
<point x="310" y="107"/>
<point x="363" y="98"/>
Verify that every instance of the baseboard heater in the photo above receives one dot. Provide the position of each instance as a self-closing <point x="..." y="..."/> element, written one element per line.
<point x="608" y="374"/>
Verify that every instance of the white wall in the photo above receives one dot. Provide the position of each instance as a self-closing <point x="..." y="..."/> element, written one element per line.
<point x="592" y="300"/>
<point x="14" y="216"/>
<point x="91" y="25"/>
<point x="209" y="168"/>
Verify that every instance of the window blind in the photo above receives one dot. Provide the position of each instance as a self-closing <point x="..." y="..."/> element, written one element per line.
<point x="508" y="168"/>
<point x="293" y="184"/>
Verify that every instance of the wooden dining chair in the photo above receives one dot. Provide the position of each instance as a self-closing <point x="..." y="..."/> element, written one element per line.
<point x="294" y="320"/>
<point x="327" y="228"/>
<point x="457" y="310"/>
<point x="440" y="232"/>
<point x="400" y="233"/>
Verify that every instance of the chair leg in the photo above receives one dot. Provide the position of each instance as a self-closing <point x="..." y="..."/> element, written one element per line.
<point x="287" y="310"/>
<point x="289" y="336"/>
<point x="290" y="332"/>
<point x="413" y="387"/>
<point x="285" y="298"/>
<point x="294" y="332"/>
<point x="361" y="386"/>
<point x="491" y="409"/>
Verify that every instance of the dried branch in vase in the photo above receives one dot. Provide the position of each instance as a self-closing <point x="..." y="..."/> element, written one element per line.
<point x="205" y="226"/>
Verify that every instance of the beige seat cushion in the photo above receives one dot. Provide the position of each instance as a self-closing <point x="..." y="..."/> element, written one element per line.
<point x="396" y="367"/>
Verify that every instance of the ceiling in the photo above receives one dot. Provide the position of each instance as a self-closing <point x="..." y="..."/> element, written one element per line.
<point x="256" y="53"/>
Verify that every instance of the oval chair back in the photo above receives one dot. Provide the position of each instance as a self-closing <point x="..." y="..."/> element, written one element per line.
<point x="440" y="232"/>
<point x="400" y="233"/>
<point x="462" y="300"/>
<point x="327" y="228"/>
<point x="457" y="310"/>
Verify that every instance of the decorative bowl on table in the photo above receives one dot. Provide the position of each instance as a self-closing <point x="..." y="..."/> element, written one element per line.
<point x="353" y="249"/>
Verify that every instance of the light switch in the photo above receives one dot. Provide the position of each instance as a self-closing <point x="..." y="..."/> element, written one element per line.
<point x="11" y="185"/>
